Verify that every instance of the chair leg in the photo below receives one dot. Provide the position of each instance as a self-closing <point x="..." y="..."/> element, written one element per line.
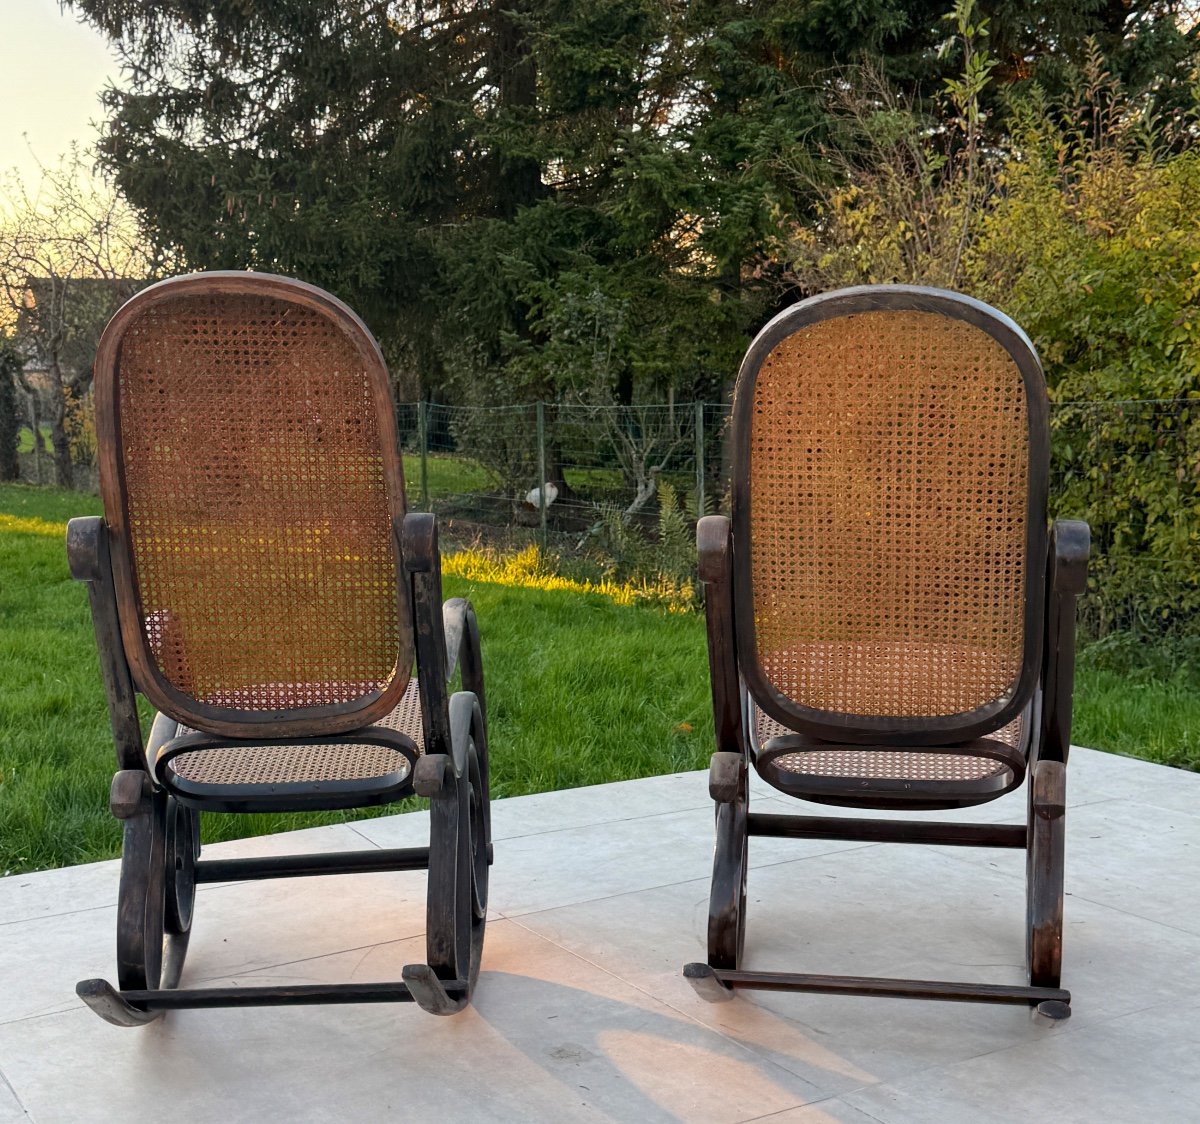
<point x="460" y="819"/>
<point x="158" y="885"/>
<point x="154" y="907"/>
<point x="1044" y="881"/>
<point x="727" y="898"/>
<point x="182" y="851"/>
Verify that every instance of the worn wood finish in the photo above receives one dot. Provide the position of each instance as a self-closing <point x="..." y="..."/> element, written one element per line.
<point x="298" y="796"/>
<point x="311" y="866"/>
<point x="90" y="562"/>
<point x="1069" y="548"/>
<point x="1044" y="872"/>
<point x="161" y="863"/>
<point x="895" y="793"/>
<point x="873" y="986"/>
<point x="1055" y="576"/>
<point x="141" y="894"/>
<point x="132" y="1005"/>
<point x="422" y="564"/>
<point x="727" y="897"/>
<point x="715" y="565"/>
<point x="870" y="729"/>
<point x="221" y="720"/>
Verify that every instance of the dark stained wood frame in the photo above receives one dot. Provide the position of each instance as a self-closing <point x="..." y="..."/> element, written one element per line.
<point x="1056" y="576"/>
<point x="161" y="862"/>
<point x="869" y="729"/>
<point x="150" y="681"/>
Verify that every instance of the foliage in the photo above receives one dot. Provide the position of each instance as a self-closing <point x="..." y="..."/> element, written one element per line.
<point x="910" y="179"/>
<point x="503" y="442"/>
<point x="665" y="561"/>
<point x="1093" y="245"/>
<point x="1083" y="226"/>
<point x="70" y="254"/>
<point x="510" y="194"/>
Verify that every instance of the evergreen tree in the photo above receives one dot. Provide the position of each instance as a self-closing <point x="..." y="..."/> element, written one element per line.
<point x="529" y="198"/>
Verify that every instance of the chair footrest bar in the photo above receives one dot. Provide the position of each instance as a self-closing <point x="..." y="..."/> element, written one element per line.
<point x="136" y="1007"/>
<point x="875" y="986"/>
<point x="300" y="866"/>
<point x="887" y="831"/>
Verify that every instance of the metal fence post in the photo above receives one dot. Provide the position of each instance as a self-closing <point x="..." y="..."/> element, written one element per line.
<point x="423" y="409"/>
<point x="541" y="486"/>
<point x="699" y="459"/>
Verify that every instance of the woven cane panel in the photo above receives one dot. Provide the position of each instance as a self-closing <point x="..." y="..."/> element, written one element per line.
<point x="882" y="764"/>
<point x="888" y="487"/>
<point x="299" y="764"/>
<point x="259" y="525"/>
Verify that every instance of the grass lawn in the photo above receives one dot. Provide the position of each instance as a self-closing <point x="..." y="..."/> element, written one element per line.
<point x="580" y="691"/>
<point x="447" y="476"/>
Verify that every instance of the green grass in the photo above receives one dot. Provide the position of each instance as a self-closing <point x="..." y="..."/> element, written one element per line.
<point x="448" y="476"/>
<point x="629" y="700"/>
<point x="580" y="691"/>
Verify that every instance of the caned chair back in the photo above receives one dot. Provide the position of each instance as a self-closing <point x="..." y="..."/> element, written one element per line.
<point x="890" y="450"/>
<point x="252" y="481"/>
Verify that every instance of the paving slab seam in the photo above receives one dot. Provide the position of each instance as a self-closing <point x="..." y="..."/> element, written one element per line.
<point x="836" y="1098"/>
<point x="790" y="1108"/>
<point x="366" y="838"/>
<point x="687" y="1016"/>
<point x="9" y="1086"/>
<point x="65" y="1009"/>
<point x="1129" y="913"/>
<point x="704" y="879"/>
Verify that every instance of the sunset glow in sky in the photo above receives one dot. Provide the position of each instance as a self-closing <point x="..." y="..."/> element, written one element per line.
<point x="52" y="69"/>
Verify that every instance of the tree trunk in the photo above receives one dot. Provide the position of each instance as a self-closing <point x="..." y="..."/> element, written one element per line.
<point x="64" y="467"/>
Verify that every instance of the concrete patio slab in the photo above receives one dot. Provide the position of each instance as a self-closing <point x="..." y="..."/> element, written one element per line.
<point x="598" y="897"/>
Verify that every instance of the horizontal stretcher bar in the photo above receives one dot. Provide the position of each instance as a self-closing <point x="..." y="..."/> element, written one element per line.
<point x="887" y="831"/>
<point x="300" y="866"/>
<point x="706" y="980"/>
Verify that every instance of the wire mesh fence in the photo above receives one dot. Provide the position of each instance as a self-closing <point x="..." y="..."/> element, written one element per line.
<point x="549" y="473"/>
<point x="555" y="475"/>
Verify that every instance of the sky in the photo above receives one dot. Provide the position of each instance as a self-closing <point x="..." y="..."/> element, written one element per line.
<point x="52" y="69"/>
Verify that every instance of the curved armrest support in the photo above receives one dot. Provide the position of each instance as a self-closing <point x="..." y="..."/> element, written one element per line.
<point x="462" y="646"/>
<point x="423" y="568"/>
<point x="714" y="546"/>
<point x="1070" y="547"/>
<point x="88" y="557"/>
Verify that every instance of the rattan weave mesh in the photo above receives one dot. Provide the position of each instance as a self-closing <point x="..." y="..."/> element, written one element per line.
<point x="299" y="764"/>
<point x="889" y="460"/>
<point x="883" y="764"/>
<point x="259" y="526"/>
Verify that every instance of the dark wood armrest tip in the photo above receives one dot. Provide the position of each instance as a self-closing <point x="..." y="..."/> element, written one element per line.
<point x="83" y="547"/>
<point x="418" y="541"/>
<point x="1072" y="540"/>
<point x="712" y="546"/>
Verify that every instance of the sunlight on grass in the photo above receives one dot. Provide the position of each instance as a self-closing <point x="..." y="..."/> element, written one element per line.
<point x="587" y="682"/>
<point x="530" y="569"/>
<point x="31" y="526"/>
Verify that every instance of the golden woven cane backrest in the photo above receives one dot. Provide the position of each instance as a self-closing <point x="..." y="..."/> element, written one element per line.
<point x="888" y="493"/>
<point x="254" y="478"/>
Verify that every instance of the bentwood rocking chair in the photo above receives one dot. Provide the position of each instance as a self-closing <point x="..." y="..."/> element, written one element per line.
<point x="890" y="621"/>
<point x="255" y="577"/>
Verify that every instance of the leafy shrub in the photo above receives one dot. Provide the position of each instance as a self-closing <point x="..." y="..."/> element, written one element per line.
<point x="627" y="553"/>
